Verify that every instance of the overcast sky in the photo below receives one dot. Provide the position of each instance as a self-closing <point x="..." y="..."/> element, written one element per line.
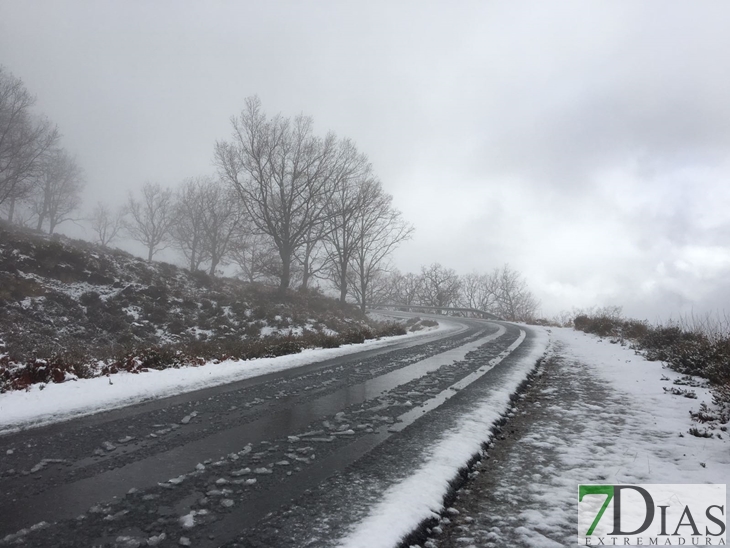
<point x="587" y="144"/>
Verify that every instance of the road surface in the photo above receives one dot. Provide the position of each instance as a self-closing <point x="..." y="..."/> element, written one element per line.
<point x="286" y="459"/>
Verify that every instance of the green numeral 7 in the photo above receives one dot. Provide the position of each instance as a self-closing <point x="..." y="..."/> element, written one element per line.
<point x="596" y="490"/>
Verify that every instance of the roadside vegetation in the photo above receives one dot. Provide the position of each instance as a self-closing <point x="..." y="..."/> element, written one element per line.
<point x="697" y="346"/>
<point x="70" y="309"/>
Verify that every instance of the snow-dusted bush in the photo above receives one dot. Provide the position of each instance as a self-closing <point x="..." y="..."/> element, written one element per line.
<point x="702" y="350"/>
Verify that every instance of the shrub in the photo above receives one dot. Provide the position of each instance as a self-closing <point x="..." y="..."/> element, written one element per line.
<point x="353" y="337"/>
<point x="90" y="298"/>
<point x="703" y="352"/>
<point x="391" y="329"/>
<point x="603" y="326"/>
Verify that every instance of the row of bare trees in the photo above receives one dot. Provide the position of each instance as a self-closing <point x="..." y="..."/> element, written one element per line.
<point x="286" y="206"/>
<point x="40" y="183"/>
<point x="314" y="200"/>
<point x="202" y="219"/>
<point x="502" y="292"/>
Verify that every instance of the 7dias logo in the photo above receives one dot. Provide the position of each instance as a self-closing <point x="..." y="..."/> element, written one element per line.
<point x="652" y="515"/>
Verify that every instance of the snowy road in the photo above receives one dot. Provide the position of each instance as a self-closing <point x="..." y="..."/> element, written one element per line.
<point x="292" y="458"/>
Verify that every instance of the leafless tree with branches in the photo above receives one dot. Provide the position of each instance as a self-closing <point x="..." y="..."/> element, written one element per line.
<point x="354" y="186"/>
<point x="380" y="229"/>
<point x="440" y="286"/>
<point x="222" y="222"/>
<point x="256" y="257"/>
<point x="187" y="231"/>
<point x="24" y="139"/>
<point x="283" y="174"/>
<point x="515" y="302"/>
<point x="479" y="291"/>
<point x="107" y="223"/>
<point x="56" y="190"/>
<point x="152" y="217"/>
<point x="405" y="288"/>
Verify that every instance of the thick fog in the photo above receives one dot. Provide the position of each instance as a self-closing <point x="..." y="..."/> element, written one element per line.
<point x="587" y="144"/>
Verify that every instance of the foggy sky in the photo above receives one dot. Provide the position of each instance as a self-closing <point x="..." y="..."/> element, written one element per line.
<point x="584" y="143"/>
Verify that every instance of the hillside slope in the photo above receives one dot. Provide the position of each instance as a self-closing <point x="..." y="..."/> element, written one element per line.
<point x="74" y="304"/>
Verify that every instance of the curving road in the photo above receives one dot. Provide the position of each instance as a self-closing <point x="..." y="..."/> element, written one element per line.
<point x="286" y="459"/>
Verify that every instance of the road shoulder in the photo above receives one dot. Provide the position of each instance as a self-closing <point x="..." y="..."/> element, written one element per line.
<point x="597" y="413"/>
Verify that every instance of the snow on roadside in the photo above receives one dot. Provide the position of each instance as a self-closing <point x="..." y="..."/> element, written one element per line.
<point x="659" y="421"/>
<point x="405" y="505"/>
<point x="601" y="416"/>
<point x="59" y="402"/>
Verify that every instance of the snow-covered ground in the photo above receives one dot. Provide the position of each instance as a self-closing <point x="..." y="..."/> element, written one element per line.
<point x="600" y="414"/>
<point x="421" y="494"/>
<point x="59" y="402"/>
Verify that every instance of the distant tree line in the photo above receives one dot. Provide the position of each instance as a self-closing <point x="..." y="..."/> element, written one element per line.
<point x="502" y="292"/>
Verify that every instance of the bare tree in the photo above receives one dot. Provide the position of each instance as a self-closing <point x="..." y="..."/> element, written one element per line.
<point x="354" y="186"/>
<point x="152" y="217"/>
<point x="515" y="301"/>
<point x="187" y="231"/>
<point x="23" y="140"/>
<point x="222" y="223"/>
<point x="405" y="288"/>
<point x="283" y="174"/>
<point x="312" y="257"/>
<point x="256" y="257"/>
<point x="376" y="290"/>
<point x="479" y="291"/>
<point x="440" y="286"/>
<point x="381" y="229"/>
<point x="56" y="190"/>
<point x="107" y="223"/>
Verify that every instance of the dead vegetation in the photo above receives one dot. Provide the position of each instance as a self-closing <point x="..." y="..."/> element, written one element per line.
<point x="71" y="309"/>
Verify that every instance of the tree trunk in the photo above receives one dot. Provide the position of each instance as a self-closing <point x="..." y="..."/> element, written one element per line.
<point x="305" y="274"/>
<point x="149" y="254"/>
<point x="213" y="266"/>
<point x="39" y="226"/>
<point x="11" y="210"/>
<point x="343" y="286"/>
<point x="364" y="288"/>
<point x="285" y="272"/>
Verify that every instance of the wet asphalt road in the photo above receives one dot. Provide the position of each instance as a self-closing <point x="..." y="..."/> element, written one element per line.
<point x="268" y="461"/>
